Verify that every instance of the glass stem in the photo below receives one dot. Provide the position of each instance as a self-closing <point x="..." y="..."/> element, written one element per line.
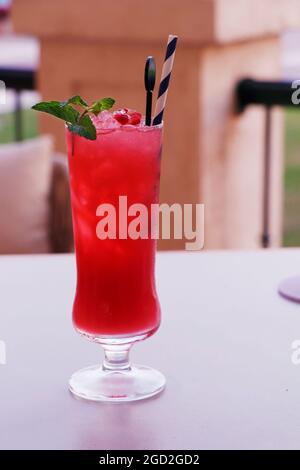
<point x="116" y="357"/>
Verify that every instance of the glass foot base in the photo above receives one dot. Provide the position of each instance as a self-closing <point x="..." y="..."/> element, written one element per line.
<point x="99" y="384"/>
<point x="290" y="289"/>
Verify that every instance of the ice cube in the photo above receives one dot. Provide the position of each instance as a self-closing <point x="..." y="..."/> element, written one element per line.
<point x="105" y="120"/>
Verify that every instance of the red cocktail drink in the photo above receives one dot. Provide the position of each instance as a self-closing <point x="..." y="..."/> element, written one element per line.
<point x="115" y="295"/>
<point x="114" y="165"/>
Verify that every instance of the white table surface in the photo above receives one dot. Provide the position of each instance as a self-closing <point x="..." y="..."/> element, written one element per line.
<point x="224" y="346"/>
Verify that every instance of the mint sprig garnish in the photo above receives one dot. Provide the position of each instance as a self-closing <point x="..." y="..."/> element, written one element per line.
<point x="78" y="123"/>
<point x="59" y="109"/>
<point x="85" y="128"/>
<point x="101" y="105"/>
<point x="76" y="100"/>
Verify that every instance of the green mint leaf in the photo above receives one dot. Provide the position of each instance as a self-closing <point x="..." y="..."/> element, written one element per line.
<point x="58" y="109"/>
<point x="77" y="123"/>
<point x="101" y="105"/>
<point x="76" y="100"/>
<point x="85" y="128"/>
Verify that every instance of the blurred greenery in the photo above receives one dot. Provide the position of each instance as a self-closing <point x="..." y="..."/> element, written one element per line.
<point x="291" y="234"/>
<point x="7" y="126"/>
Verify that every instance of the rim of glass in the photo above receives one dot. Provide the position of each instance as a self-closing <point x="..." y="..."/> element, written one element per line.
<point x="124" y="127"/>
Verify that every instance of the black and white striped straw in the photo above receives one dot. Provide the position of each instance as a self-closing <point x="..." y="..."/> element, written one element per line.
<point x="165" y="80"/>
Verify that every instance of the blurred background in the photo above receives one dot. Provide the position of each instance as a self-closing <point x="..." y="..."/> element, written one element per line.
<point x="230" y="142"/>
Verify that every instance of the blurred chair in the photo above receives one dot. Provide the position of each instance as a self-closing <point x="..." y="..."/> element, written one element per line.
<point x="50" y="222"/>
<point x="60" y="220"/>
<point x="34" y="198"/>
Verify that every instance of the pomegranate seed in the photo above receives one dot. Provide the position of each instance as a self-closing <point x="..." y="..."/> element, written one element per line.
<point x="134" y="118"/>
<point x="121" y="117"/>
<point x="127" y="116"/>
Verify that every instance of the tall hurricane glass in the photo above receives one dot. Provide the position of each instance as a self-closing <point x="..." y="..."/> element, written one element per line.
<point x="116" y="303"/>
